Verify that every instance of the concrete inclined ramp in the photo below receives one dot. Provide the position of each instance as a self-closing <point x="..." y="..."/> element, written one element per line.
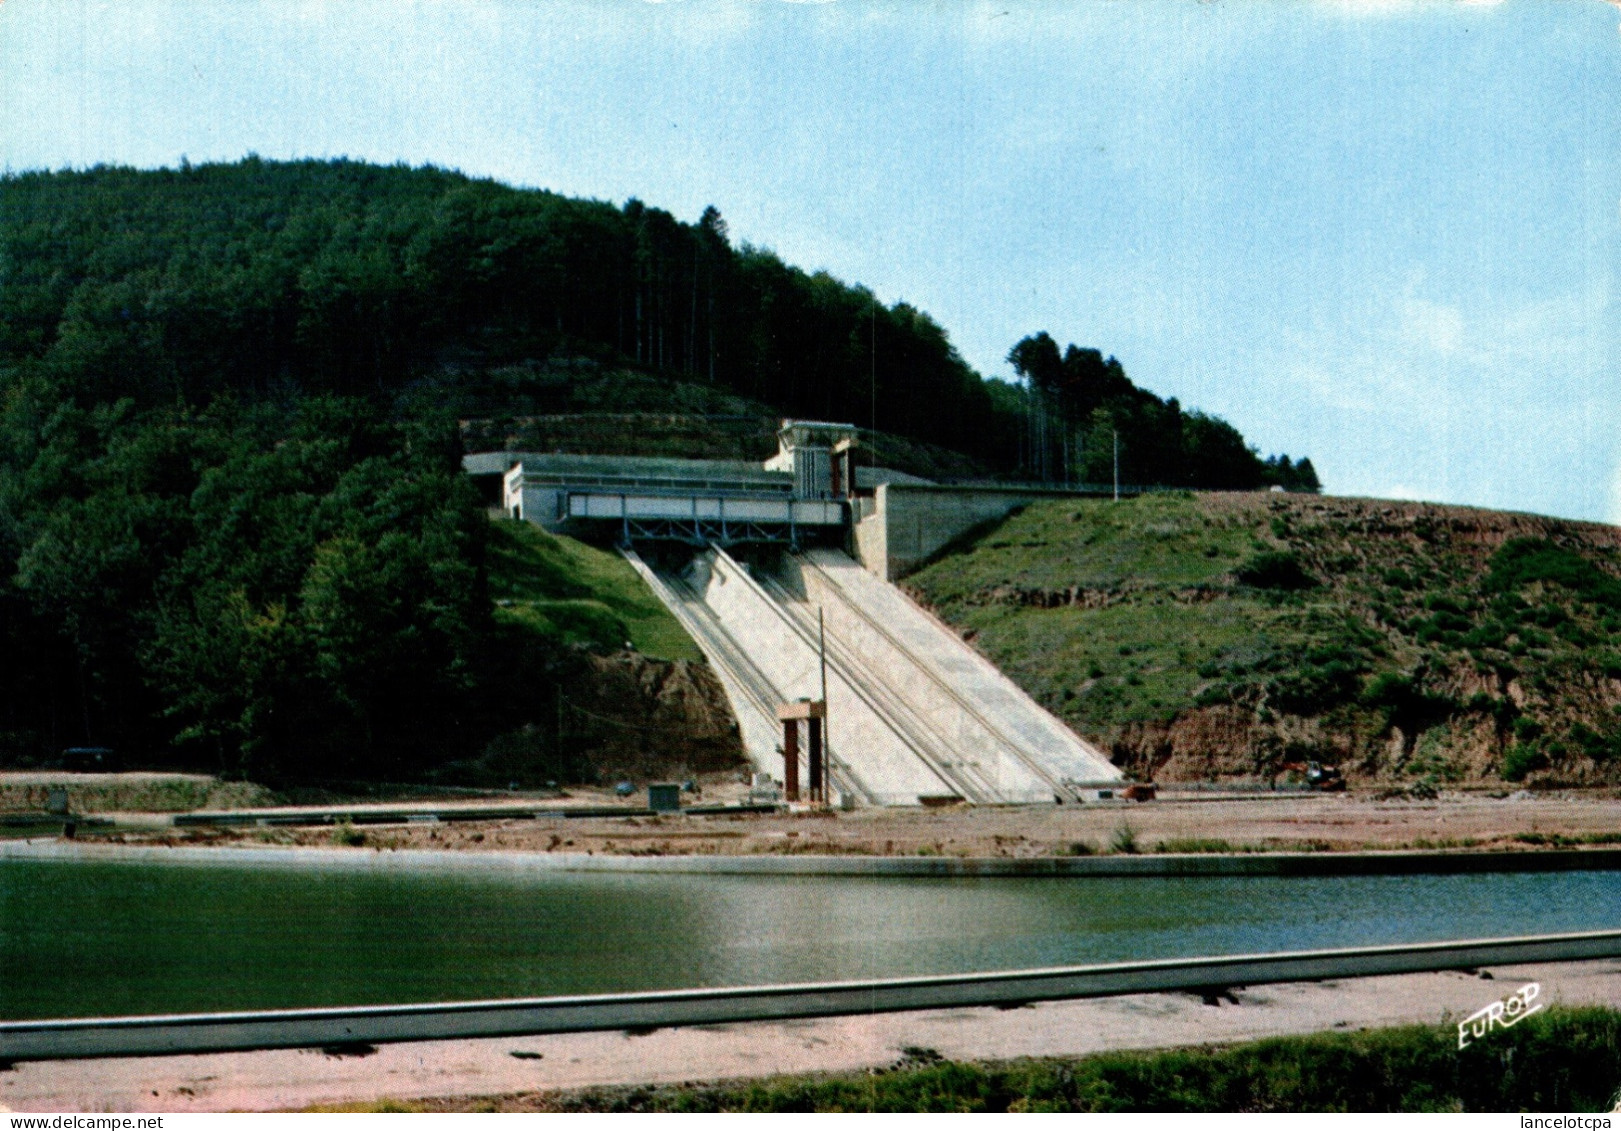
<point x="913" y="712"/>
<point x="888" y="766"/>
<point x="1027" y="753"/>
<point x="756" y="678"/>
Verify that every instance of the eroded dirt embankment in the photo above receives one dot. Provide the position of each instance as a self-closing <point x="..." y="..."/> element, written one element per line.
<point x="622" y="716"/>
<point x="29" y="791"/>
<point x="652" y="719"/>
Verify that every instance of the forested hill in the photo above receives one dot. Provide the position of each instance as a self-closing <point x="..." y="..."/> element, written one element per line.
<point x="173" y="286"/>
<point x="233" y="532"/>
<point x="348" y="278"/>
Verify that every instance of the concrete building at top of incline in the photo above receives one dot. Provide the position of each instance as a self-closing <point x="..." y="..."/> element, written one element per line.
<point x="813" y="490"/>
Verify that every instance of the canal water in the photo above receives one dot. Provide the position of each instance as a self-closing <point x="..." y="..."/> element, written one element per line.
<point x="102" y="938"/>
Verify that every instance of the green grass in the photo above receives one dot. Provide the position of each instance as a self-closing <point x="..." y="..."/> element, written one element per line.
<point x="559" y="587"/>
<point x="1489" y="652"/>
<point x="1565" y="1059"/>
<point x="1137" y="660"/>
<point x="1171" y="540"/>
<point x="1196" y="844"/>
<point x="1103" y="611"/>
<point x="1123" y="841"/>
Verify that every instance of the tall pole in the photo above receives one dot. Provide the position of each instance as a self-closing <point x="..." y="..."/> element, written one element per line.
<point x="1117" y="467"/>
<point x="827" y="734"/>
<point x="872" y="419"/>
<point x="821" y="647"/>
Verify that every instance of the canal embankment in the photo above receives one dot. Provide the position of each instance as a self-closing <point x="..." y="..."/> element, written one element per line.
<point x="247" y="1030"/>
<point x="720" y="823"/>
<point x="525" y="1073"/>
<point x="1159" y="865"/>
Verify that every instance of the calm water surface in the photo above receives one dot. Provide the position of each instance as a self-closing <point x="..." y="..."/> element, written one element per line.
<point x="104" y="938"/>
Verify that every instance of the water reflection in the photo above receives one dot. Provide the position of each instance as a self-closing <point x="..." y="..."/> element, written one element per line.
<point x="80" y="938"/>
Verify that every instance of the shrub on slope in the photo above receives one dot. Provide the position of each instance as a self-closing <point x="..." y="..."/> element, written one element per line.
<point x="1406" y="641"/>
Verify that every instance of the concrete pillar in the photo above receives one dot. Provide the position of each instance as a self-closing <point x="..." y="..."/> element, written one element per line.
<point x="818" y="786"/>
<point x="790" y="759"/>
<point x="791" y="714"/>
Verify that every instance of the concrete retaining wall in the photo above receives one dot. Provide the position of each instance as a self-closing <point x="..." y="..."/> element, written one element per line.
<point x="908" y="522"/>
<point x="195" y="1033"/>
<point x="749" y="691"/>
<point x="900" y="867"/>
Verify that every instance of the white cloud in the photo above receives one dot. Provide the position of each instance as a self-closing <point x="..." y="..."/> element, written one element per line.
<point x="1369" y="7"/>
<point x="1356" y="8"/>
<point x="1434" y="325"/>
<point x="1409" y="343"/>
<point x="1449" y="395"/>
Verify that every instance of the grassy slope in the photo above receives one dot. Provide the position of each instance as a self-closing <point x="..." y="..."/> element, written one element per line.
<point x="1129" y="619"/>
<point x="1110" y="612"/>
<point x="577" y="593"/>
<point x="1566" y="1059"/>
<point x="1135" y="652"/>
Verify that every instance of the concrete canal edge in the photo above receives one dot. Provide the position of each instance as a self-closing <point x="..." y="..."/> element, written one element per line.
<point x="1397" y="863"/>
<point x="300" y="1028"/>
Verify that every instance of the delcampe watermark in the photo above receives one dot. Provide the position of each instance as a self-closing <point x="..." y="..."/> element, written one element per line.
<point x="1513" y="1009"/>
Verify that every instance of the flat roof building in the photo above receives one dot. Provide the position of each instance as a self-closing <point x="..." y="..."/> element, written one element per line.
<point x="806" y="484"/>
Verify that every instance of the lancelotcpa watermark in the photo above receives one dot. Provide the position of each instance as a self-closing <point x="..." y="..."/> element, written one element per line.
<point x="1513" y="1009"/>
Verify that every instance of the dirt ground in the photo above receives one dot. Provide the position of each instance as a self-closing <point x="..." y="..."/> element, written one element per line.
<point x="1191" y="821"/>
<point x="523" y="1073"/>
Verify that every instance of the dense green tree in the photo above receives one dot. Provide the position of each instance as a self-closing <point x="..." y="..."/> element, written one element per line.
<point x="233" y="532"/>
<point x="1082" y="412"/>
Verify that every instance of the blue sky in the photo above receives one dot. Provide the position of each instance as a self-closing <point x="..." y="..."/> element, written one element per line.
<point x="1384" y="233"/>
